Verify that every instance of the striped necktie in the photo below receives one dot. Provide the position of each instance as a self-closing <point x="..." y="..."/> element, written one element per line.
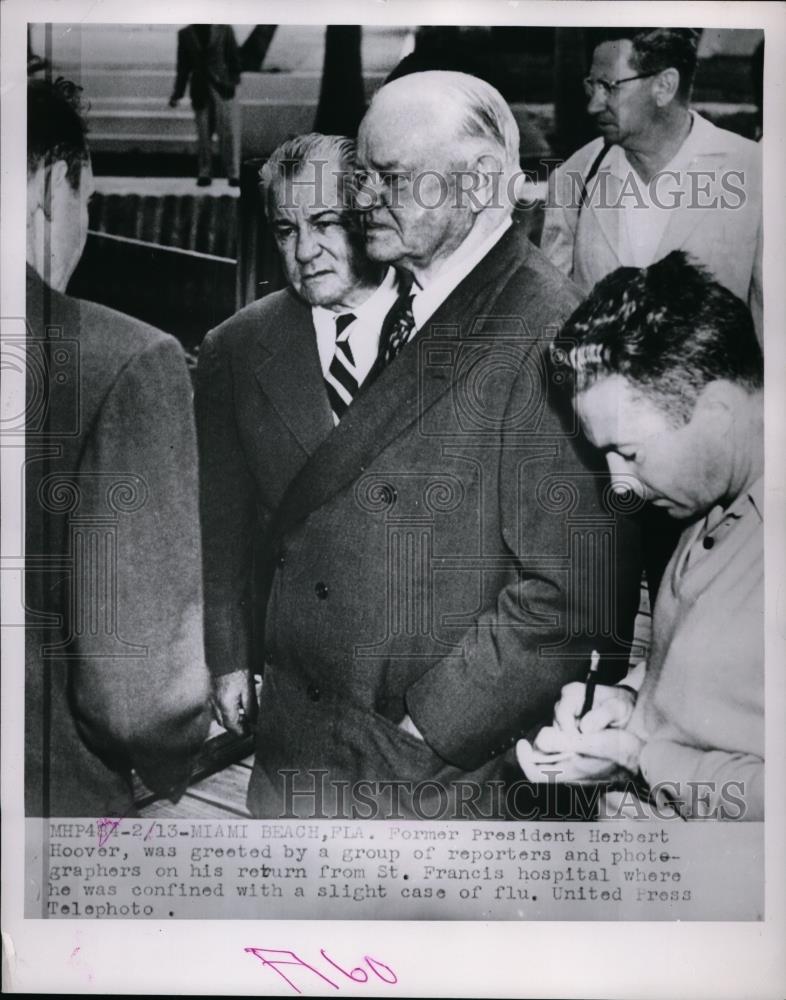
<point x="399" y="322"/>
<point x="341" y="379"/>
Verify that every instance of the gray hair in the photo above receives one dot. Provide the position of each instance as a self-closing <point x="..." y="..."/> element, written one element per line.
<point x="288" y="160"/>
<point x="483" y="113"/>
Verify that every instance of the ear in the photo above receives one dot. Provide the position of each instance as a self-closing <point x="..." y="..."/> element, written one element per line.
<point x="489" y="170"/>
<point x="58" y="174"/>
<point x="665" y="87"/>
<point x="37" y="187"/>
<point x="718" y="401"/>
<point x="46" y="186"/>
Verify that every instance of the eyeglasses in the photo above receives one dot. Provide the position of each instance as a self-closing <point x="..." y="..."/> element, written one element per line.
<point x="610" y="87"/>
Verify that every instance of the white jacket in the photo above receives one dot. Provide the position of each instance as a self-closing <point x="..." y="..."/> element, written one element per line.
<point x="713" y="198"/>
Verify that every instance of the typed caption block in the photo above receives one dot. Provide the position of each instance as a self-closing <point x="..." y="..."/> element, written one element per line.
<point x="176" y="869"/>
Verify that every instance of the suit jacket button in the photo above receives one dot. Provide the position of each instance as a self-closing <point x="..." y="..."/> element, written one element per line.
<point x="321" y="591"/>
<point x="313" y="692"/>
<point x="281" y="559"/>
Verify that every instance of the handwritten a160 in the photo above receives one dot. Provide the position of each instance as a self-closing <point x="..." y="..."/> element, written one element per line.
<point x="356" y="975"/>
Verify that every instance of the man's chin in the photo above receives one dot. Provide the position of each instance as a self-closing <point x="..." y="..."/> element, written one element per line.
<point x="382" y="246"/>
<point x="674" y="510"/>
<point x="318" y="291"/>
<point x="609" y="131"/>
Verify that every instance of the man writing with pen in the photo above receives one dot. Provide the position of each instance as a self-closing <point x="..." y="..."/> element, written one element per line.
<point x="667" y="376"/>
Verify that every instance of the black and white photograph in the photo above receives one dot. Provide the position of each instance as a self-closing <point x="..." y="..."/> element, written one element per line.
<point x="392" y="440"/>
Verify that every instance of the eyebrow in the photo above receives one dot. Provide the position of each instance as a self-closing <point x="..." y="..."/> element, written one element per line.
<point x="282" y="221"/>
<point x="392" y="167"/>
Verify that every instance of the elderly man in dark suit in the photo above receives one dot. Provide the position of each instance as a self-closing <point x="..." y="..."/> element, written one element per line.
<point x="115" y="675"/>
<point x="427" y="561"/>
<point x="208" y="57"/>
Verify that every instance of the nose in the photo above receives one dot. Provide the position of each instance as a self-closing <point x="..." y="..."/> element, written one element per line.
<point x="597" y="102"/>
<point x="369" y="191"/>
<point x="623" y="479"/>
<point x="307" y="247"/>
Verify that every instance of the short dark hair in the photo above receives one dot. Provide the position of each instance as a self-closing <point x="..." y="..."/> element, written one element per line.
<point x="669" y="329"/>
<point x="668" y="48"/>
<point x="56" y="127"/>
<point x="656" y="49"/>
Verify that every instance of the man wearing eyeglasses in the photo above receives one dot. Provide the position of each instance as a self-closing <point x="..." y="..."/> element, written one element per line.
<point x="660" y="177"/>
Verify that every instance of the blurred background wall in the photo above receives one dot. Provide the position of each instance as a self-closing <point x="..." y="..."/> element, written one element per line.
<point x="184" y="258"/>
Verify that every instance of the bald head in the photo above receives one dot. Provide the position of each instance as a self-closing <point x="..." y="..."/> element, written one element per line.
<point x="440" y="147"/>
<point x="448" y="105"/>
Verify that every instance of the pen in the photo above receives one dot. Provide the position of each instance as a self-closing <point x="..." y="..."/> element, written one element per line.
<point x="592" y="675"/>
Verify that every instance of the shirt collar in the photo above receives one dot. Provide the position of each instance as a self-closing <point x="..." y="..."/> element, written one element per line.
<point x="755" y="496"/>
<point x="703" y="139"/>
<point x="453" y="271"/>
<point x="749" y="500"/>
<point x="378" y="300"/>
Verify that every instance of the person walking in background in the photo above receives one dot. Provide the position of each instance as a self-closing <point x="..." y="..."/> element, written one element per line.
<point x="207" y="55"/>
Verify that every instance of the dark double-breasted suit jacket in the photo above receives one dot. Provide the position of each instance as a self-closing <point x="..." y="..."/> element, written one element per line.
<point x="429" y="555"/>
<point x="115" y="671"/>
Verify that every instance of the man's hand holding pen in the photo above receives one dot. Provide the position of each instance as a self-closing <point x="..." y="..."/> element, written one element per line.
<point x="581" y="745"/>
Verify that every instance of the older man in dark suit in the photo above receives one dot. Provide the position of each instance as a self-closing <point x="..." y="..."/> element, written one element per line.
<point x="428" y="560"/>
<point x="115" y="676"/>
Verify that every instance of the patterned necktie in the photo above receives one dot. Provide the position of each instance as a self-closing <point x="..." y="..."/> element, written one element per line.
<point x="399" y="322"/>
<point x="341" y="379"/>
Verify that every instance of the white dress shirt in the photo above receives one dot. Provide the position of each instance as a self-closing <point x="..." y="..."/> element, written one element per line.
<point x="453" y="271"/>
<point x="647" y="211"/>
<point x="363" y="332"/>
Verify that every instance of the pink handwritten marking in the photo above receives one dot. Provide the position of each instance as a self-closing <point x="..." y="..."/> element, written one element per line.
<point x="274" y="964"/>
<point x="356" y="975"/>
<point x="106" y="827"/>
<point x="372" y="963"/>
<point x="152" y="825"/>
<point x="363" y="975"/>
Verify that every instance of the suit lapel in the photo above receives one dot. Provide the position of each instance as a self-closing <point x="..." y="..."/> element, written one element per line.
<point x="290" y="375"/>
<point x="402" y="392"/>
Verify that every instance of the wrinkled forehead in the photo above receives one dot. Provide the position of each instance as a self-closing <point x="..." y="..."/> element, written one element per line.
<point x="400" y="132"/>
<point x="612" y="60"/>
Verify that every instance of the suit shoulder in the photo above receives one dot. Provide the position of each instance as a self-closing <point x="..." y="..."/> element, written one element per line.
<point x="115" y="334"/>
<point x="113" y="348"/>
<point x="261" y="320"/>
<point x="537" y="275"/>
<point x="714" y="139"/>
<point x="741" y="150"/>
<point x="107" y="339"/>
<point x="538" y="292"/>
